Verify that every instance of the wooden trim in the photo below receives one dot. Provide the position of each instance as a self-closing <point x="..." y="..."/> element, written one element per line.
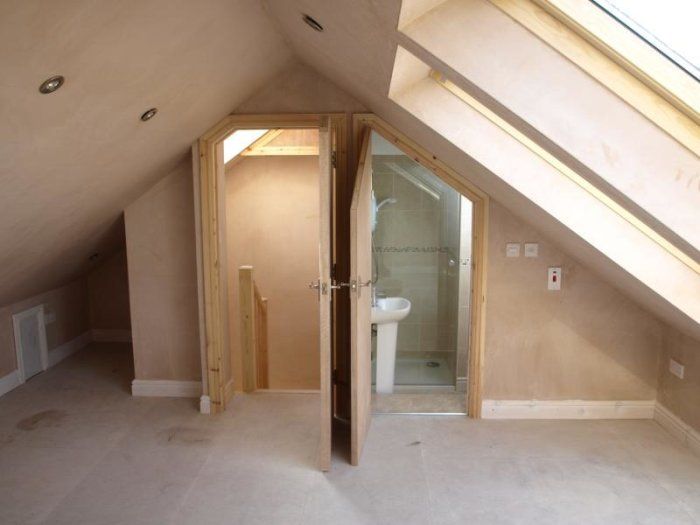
<point x="613" y="59"/>
<point x="566" y="171"/>
<point x="212" y="222"/>
<point x="246" y="300"/>
<point x="677" y="427"/>
<point x="325" y="161"/>
<point x="480" y="201"/>
<point x="629" y="51"/>
<point x="574" y="409"/>
<point x="165" y="388"/>
<point x="262" y="368"/>
<point x="196" y="190"/>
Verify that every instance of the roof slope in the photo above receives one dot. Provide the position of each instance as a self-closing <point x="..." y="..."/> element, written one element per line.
<point x="357" y="51"/>
<point x="72" y="160"/>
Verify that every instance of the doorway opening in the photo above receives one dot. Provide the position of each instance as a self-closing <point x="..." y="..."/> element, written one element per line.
<point x="272" y="238"/>
<point x="421" y="258"/>
<point x="266" y="267"/>
<point x="445" y="218"/>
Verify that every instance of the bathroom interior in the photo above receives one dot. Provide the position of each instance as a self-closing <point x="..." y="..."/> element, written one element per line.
<point x="421" y="256"/>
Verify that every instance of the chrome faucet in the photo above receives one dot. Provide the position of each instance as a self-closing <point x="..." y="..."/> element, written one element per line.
<point x="376" y="295"/>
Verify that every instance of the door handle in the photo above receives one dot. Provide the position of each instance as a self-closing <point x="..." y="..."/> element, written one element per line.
<point x="338" y="286"/>
<point x="322" y="288"/>
<point x="353" y="285"/>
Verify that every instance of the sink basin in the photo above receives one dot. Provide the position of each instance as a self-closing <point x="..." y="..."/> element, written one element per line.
<point x="390" y="310"/>
<point x="386" y="315"/>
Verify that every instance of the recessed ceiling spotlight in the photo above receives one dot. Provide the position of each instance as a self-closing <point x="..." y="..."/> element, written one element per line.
<point x="51" y="84"/>
<point x="313" y="24"/>
<point x="148" y="115"/>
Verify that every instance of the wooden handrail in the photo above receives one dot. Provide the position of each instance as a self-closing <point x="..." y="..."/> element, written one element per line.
<point x="253" y="320"/>
<point x="261" y="360"/>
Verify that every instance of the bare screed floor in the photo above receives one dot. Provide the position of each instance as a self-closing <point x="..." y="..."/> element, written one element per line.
<point x="77" y="448"/>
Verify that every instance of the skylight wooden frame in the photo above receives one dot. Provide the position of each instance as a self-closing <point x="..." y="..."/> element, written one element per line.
<point x="618" y="59"/>
<point x="480" y="221"/>
<point x="566" y="171"/>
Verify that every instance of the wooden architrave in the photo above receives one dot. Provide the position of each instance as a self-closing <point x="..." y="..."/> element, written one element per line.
<point x="480" y="211"/>
<point x="211" y="236"/>
<point x="616" y="58"/>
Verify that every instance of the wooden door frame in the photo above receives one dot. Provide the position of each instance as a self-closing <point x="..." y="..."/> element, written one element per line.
<point x="209" y="170"/>
<point x="480" y="214"/>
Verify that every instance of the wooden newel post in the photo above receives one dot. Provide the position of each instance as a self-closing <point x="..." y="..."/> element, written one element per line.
<point x="246" y="297"/>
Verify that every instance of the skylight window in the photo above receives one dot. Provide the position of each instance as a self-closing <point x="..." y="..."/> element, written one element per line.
<point x="240" y="140"/>
<point x="669" y="26"/>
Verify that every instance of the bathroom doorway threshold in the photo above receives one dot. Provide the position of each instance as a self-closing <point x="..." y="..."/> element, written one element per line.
<point x="419" y="404"/>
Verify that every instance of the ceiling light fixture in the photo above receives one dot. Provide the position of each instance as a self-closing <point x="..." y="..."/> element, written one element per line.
<point x="51" y="84"/>
<point x="148" y="115"/>
<point x="313" y="24"/>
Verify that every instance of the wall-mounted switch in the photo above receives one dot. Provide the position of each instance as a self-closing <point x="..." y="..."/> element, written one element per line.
<point x="554" y="278"/>
<point x="676" y="368"/>
<point x="513" y="249"/>
<point x="531" y="249"/>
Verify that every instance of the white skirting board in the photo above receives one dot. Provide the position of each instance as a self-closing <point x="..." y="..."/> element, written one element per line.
<point x="672" y="423"/>
<point x="109" y="335"/>
<point x="166" y="388"/>
<point x="575" y="409"/>
<point x="9" y="382"/>
<point x="59" y="353"/>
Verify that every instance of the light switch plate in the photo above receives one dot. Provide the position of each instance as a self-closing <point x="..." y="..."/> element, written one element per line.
<point x="531" y="249"/>
<point x="554" y="278"/>
<point x="513" y="249"/>
<point x="676" y="368"/>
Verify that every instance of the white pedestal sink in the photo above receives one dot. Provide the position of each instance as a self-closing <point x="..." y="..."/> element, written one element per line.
<point x="386" y="315"/>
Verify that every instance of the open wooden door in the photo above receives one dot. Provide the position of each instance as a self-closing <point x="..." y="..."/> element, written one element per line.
<point x="323" y="285"/>
<point x="361" y="301"/>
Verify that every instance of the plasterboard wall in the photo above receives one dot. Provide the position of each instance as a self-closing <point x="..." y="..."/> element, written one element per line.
<point x="68" y="303"/>
<point x="680" y="396"/>
<point x="108" y="292"/>
<point x="162" y="271"/>
<point x="587" y="341"/>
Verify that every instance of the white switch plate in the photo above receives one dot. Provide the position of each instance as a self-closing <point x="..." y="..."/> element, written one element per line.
<point x="513" y="249"/>
<point x="554" y="278"/>
<point x="531" y="249"/>
<point x="676" y="368"/>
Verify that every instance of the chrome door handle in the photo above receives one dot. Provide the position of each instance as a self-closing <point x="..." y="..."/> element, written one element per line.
<point x="353" y="285"/>
<point x="338" y="286"/>
<point x="322" y="288"/>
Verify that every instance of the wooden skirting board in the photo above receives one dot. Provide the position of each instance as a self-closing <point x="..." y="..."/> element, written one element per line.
<point x="165" y="388"/>
<point x="677" y="428"/>
<point x="574" y="409"/>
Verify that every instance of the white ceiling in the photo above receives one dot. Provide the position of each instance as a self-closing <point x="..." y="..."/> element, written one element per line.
<point x="72" y="160"/>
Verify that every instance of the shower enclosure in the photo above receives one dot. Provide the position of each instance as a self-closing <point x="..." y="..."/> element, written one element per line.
<point x="422" y="252"/>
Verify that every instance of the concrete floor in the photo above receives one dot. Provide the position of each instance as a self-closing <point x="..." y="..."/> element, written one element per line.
<point x="75" y="448"/>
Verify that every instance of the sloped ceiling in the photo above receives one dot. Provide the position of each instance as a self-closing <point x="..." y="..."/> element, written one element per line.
<point x="72" y="160"/>
<point x="356" y="51"/>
